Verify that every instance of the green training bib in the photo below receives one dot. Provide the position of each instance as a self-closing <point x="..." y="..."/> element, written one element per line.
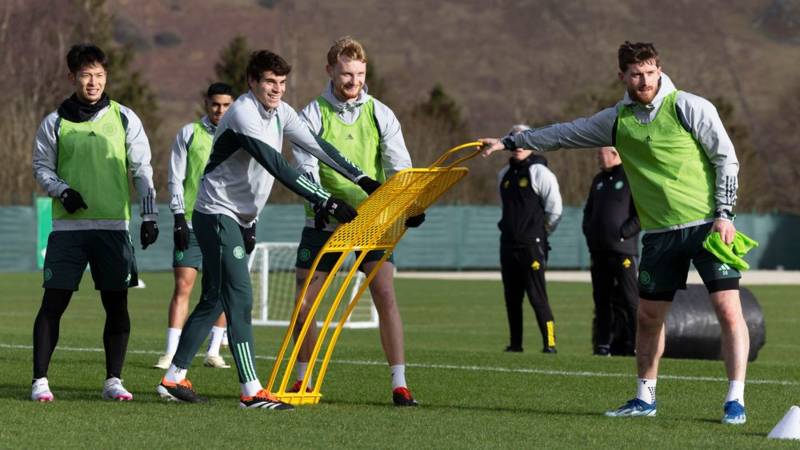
<point x="196" y="158"/>
<point x="93" y="160"/>
<point x="359" y="142"/>
<point x="672" y="180"/>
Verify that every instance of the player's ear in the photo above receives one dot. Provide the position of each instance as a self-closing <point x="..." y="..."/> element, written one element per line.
<point x="329" y="69"/>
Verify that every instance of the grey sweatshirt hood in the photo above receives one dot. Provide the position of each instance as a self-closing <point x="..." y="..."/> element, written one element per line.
<point x="350" y="105"/>
<point x="666" y="87"/>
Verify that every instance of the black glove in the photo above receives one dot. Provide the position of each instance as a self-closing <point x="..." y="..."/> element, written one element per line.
<point x="148" y="233"/>
<point x="335" y="207"/>
<point x="72" y="200"/>
<point x="368" y="185"/>
<point x="180" y="233"/>
<point x="249" y="237"/>
<point x="415" y="221"/>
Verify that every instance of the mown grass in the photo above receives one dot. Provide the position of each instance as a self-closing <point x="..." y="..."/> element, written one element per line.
<point x="472" y="394"/>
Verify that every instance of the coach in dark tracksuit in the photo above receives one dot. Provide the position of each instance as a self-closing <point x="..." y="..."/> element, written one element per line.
<point x="531" y="210"/>
<point x="611" y="227"/>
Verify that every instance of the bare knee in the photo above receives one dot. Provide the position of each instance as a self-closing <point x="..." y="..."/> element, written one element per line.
<point x="728" y="308"/>
<point x="730" y="318"/>
<point x="650" y="318"/>
<point x="184" y="282"/>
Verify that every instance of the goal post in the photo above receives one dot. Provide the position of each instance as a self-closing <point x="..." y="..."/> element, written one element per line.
<point x="272" y="276"/>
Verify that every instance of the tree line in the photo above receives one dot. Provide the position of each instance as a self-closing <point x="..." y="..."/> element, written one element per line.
<point x="429" y="127"/>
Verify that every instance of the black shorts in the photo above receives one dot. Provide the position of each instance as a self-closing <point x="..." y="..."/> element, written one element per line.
<point x="109" y="254"/>
<point x="312" y="241"/>
<point x="665" y="263"/>
<point x="191" y="257"/>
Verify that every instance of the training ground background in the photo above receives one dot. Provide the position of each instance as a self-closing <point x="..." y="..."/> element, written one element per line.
<point x="472" y="394"/>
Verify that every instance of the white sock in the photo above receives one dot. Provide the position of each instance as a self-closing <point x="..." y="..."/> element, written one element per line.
<point x="646" y="390"/>
<point x="215" y="340"/>
<point x="175" y="374"/>
<point x="251" y="388"/>
<point x="225" y="338"/>
<point x="301" y="371"/>
<point x="173" y="337"/>
<point x="735" y="392"/>
<point x="398" y="376"/>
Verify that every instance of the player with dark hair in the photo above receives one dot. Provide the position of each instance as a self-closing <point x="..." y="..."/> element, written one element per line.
<point x="682" y="170"/>
<point x="81" y="157"/>
<point x="188" y="158"/>
<point x="244" y="162"/>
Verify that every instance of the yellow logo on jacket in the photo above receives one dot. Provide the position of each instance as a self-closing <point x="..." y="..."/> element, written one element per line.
<point x="523" y="182"/>
<point x="626" y="263"/>
<point x="536" y="265"/>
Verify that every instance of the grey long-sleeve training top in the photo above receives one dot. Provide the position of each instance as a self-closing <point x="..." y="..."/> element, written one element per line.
<point x="697" y="115"/>
<point x="45" y="160"/>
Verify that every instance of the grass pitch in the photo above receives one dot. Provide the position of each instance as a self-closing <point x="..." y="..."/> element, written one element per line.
<point x="472" y="393"/>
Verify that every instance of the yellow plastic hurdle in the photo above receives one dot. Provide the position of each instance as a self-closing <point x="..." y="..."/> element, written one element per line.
<point x="379" y="226"/>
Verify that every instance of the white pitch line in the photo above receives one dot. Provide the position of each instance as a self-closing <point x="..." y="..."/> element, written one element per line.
<point x="356" y="362"/>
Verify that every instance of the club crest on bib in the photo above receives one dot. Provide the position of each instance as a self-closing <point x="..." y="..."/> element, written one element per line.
<point x="109" y="129"/>
<point x="523" y="182"/>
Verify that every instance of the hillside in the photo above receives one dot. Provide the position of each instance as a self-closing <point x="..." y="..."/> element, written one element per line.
<point x="503" y="61"/>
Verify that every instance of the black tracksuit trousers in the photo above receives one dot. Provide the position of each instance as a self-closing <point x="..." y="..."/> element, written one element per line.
<point x="523" y="270"/>
<point x="616" y="298"/>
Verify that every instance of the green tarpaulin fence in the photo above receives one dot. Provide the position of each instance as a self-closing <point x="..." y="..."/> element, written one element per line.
<point x="452" y="238"/>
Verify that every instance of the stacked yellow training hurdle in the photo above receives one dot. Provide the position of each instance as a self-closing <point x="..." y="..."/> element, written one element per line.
<point x="379" y="226"/>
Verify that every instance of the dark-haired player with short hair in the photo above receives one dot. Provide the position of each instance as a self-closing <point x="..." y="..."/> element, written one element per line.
<point x="244" y="162"/>
<point x="81" y="157"/>
<point x="682" y="170"/>
<point x="188" y="157"/>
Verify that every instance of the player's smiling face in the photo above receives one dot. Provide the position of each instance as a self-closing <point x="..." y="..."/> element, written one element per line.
<point x="642" y="81"/>
<point x="89" y="82"/>
<point x="348" y="77"/>
<point x="269" y="89"/>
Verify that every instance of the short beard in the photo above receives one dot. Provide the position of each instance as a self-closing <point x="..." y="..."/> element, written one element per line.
<point x="636" y="96"/>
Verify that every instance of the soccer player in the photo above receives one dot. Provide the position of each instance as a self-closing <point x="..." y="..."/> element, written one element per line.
<point x="367" y="132"/>
<point x="531" y="211"/>
<point x="244" y="162"/>
<point x="611" y="227"/>
<point x="189" y="155"/>
<point x="81" y="157"/>
<point x="682" y="170"/>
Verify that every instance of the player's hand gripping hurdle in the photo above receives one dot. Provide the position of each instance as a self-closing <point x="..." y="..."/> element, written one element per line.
<point x="380" y="224"/>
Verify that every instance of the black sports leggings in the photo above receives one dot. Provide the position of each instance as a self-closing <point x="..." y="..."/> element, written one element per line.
<point x="115" y="334"/>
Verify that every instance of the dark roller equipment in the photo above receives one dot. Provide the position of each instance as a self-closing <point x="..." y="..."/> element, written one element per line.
<point x="693" y="331"/>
